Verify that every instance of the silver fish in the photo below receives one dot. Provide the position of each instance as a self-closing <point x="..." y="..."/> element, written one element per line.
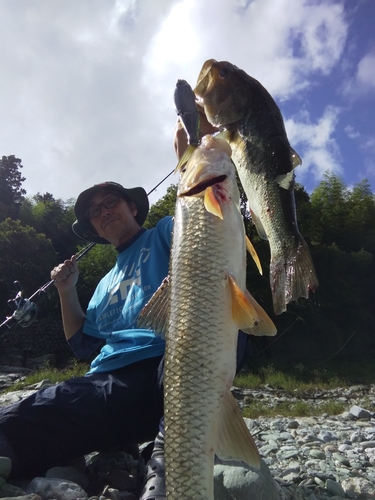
<point x="205" y="303"/>
<point x="239" y="105"/>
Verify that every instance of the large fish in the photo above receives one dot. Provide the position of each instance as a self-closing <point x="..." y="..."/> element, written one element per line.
<point x="206" y="302"/>
<point x="239" y="105"/>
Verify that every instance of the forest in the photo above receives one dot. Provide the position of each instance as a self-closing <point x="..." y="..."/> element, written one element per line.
<point x="337" y="221"/>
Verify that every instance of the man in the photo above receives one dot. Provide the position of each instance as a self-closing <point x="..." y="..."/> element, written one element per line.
<point x="120" y="401"/>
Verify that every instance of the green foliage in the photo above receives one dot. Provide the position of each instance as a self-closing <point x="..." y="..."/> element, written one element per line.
<point x="25" y="256"/>
<point x="165" y="206"/>
<point x="286" y="409"/>
<point x="11" y="192"/>
<point x="53" y="218"/>
<point x="76" y="369"/>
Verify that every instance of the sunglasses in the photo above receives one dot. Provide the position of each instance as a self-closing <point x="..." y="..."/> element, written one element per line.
<point x="110" y="202"/>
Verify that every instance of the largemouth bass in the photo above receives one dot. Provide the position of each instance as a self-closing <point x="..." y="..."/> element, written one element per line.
<point x="241" y="107"/>
<point x="206" y="301"/>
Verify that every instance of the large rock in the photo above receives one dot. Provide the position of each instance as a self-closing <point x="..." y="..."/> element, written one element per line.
<point x="56" y="489"/>
<point x="239" y="481"/>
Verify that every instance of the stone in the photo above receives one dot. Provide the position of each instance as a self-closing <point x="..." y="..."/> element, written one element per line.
<point x="240" y="481"/>
<point x="70" y="473"/>
<point x="53" y="488"/>
<point x="359" y="412"/>
<point x="5" y="467"/>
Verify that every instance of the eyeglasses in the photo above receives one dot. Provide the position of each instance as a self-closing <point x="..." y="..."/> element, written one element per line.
<point x="110" y="202"/>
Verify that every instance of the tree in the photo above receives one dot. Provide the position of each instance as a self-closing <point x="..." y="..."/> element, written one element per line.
<point x="25" y="256"/>
<point x="330" y="211"/>
<point x="11" y="192"/>
<point x="52" y="217"/>
<point x="164" y="206"/>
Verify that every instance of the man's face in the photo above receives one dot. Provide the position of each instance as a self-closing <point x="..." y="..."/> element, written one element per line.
<point x="112" y="216"/>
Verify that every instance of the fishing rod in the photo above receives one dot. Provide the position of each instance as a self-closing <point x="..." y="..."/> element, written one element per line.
<point x="24" y="309"/>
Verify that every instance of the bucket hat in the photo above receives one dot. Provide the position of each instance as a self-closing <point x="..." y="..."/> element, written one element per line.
<point x="82" y="226"/>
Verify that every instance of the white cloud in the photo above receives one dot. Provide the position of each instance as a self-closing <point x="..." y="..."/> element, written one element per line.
<point x="86" y="91"/>
<point x="351" y="132"/>
<point x="362" y="82"/>
<point x="366" y="71"/>
<point x="261" y="37"/>
<point x="315" y="143"/>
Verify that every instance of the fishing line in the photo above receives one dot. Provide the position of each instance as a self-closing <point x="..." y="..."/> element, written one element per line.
<point x="278" y="338"/>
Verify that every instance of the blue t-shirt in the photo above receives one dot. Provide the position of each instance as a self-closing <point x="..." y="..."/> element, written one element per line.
<point x="120" y="296"/>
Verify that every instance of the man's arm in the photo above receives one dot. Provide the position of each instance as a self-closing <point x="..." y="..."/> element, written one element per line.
<point x="66" y="277"/>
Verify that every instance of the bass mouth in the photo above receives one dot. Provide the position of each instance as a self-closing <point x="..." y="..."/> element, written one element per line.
<point x="202" y="186"/>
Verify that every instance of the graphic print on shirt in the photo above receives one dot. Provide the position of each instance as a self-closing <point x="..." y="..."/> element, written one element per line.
<point x="125" y="293"/>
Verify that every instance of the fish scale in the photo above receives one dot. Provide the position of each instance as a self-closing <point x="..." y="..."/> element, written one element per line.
<point x="199" y="308"/>
<point x="192" y="350"/>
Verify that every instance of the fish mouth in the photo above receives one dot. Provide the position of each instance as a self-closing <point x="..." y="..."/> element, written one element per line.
<point x="202" y="186"/>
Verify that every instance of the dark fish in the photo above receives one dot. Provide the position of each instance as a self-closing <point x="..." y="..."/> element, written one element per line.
<point x="252" y="124"/>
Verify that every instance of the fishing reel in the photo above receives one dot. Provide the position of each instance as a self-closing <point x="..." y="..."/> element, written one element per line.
<point x="24" y="310"/>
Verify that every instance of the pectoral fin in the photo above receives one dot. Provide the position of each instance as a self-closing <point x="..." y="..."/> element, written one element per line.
<point x="244" y="313"/>
<point x="265" y="325"/>
<point x="234" y="438"/>
<point x="286" y="181"/>
<point x="154" y="316"/>
<point x="258" y="225"/>
<point x="211" y="204"/>
<point x="250" y="248"/>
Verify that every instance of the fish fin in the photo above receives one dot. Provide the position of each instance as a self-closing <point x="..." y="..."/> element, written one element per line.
<point x="292" y="276"/>
<point x="296" y="159"/>
<point x="244" y="313"/>
<point x="286" y="181"/>
<point x="234" y="439"/>
<point x="265" y="325"/>
<point x="250" y="248"/>
<point x="154" y="315"/>
<point x="211" y="204"/>
<point x="259" y="226"/>
<point x="185" y="157"/>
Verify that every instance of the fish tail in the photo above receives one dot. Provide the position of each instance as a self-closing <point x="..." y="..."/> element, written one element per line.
<point x="292" y="277"/>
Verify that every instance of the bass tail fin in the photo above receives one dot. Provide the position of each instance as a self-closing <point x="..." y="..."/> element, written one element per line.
<point x="292" y="277"/>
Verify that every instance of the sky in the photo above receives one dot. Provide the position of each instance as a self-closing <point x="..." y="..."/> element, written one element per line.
<point x="86" y="86"/>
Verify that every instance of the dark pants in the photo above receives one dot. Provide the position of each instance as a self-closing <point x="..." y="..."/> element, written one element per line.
<point x="85" y="414"/>
<point x="97" y="412"/>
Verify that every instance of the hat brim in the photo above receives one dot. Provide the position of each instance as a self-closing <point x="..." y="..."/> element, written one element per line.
<point x="82" y="226"/>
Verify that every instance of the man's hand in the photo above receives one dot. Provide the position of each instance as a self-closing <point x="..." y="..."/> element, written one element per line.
<point x="66" y="274"/>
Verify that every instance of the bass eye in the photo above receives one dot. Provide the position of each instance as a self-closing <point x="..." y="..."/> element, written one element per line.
<point x="223" y="73"/>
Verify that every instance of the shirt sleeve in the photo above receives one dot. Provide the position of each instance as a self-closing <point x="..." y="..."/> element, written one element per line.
<point x="83" y="345"/>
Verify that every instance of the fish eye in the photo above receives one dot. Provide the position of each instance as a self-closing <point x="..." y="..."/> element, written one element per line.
<point x="223" y="73"/>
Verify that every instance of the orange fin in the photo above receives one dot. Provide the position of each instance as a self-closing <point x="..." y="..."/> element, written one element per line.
<point x="211" y="204"/>
<point x="243" y="312"/>
<point x="234" y="440"/>
<point x="250" y="248"/>
<point x="265" y="325"/>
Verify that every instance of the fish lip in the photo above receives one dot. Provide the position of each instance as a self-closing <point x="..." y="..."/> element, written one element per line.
<point x="203" y="185"/>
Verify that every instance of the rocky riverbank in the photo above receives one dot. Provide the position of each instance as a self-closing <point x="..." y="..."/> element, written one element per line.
<point x="305" y="458"/>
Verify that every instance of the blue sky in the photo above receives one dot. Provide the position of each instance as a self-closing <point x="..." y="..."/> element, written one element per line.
<point x="86" y="86"/>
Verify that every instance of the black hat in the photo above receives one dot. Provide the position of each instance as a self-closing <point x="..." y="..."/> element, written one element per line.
<point x="82" y="226"/>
